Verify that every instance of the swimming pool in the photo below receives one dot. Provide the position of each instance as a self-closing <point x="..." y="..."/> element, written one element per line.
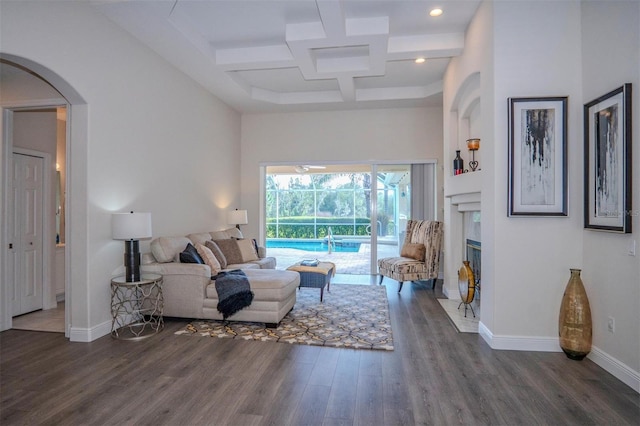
<point x="315" y="245"/>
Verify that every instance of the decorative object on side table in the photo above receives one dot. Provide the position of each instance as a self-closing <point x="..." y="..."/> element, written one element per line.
<point x="131" y="227"/>
<point x="466" y="286"/>
<point x="458" y="164"/>
<point x="237" y="217"/>
<point x="473" y="145"/>
<point x="607" y="162"/>
<point x="538" y="156"/>
<point x="574" y="324"/>
<point x="136" y="307"/>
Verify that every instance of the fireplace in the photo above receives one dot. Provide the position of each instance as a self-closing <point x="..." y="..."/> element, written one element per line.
<point x="474" y="257"/>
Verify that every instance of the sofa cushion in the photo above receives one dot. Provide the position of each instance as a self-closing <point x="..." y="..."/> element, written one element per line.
<point x="199" y="237"/>
<point x="414" y="251"/>
<point x="266" y="284"/>
<point x="226" y="234"/>
<point x="190" y="255"/>
<point x="167" y="249"/>
<point x="207" y="255"/>
<point x="237" y="251"/>
<point x="217" y="253"/>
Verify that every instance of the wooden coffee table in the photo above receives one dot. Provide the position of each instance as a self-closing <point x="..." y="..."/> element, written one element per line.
<point x="315" y="276"/>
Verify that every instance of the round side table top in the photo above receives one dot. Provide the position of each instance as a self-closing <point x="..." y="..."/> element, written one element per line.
<point x="144" y="279"/>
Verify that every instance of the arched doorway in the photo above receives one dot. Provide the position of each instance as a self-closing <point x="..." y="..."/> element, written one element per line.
<point x="76" y="142"/>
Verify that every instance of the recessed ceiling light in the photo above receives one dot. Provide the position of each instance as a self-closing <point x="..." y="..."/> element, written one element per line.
<point x="435" y="12"/>
<point x="420" y="60"/>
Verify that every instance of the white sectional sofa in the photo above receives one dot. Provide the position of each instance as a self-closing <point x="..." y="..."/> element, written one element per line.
<point x="189" y="291"/>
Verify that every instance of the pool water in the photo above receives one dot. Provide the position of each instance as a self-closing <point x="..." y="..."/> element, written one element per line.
<point x="339" y="246"/>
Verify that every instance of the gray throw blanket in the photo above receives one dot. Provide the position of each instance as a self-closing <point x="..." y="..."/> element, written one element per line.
<point x="234" y="292"/>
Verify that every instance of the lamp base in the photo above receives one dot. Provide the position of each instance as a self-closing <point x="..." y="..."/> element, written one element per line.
<point x="132" y="261"/>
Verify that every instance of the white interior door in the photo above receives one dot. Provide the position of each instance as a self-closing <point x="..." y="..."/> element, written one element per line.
<point x="26" y="228"/>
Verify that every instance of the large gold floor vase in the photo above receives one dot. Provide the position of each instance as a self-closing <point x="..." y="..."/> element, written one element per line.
<point x="575" y="319"/>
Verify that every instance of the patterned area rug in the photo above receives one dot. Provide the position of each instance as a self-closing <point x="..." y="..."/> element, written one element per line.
<point x="351" y="316"/>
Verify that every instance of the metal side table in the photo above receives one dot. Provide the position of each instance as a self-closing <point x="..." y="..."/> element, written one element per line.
<point x="136" y="307"/>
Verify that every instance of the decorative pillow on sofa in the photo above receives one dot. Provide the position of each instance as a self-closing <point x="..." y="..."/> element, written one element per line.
<point x="248" y="250"/>
<point x="207" y="255"/>
<point x="237" y="251"/>
<point x="414" y="251"/>
<point x="217" y="253"/>
<point x="190" y="255"/>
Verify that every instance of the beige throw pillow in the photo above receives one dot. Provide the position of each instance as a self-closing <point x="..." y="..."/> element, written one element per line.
<point x="207" y="255"/>
<point x="414" y="251"/>
<point x="247" y="250"/>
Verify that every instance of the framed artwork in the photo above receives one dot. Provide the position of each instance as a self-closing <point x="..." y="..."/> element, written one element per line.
<point x="607" y="161"/>
<point x="538" y="156"/>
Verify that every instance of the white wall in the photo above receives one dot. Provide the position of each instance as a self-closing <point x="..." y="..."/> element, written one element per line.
<point x="405" y="134"/>
<point x="529" y="258"/>
<point x="152" y="140"/>
<point x="533" y="255"/>
<point x="610" y="275"/>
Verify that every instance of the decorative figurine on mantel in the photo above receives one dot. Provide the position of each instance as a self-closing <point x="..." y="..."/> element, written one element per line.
<point x="473" y="145"/>
<point x="458" y="164"/>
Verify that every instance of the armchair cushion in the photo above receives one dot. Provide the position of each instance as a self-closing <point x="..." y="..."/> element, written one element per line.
<point x="414" y="251"/>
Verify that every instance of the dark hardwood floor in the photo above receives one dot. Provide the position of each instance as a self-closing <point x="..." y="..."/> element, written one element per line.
<point x="434" y="376"/>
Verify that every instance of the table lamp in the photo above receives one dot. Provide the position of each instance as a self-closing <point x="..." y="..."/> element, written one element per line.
<point x="131" y="227"/>
<point x="237" y="217"/>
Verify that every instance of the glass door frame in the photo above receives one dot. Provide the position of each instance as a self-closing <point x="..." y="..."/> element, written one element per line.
<point x="374" y="166"/>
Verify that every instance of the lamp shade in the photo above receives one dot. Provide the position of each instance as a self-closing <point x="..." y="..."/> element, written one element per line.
<point x="237" y="217"/>
<point x="130" y="226"/>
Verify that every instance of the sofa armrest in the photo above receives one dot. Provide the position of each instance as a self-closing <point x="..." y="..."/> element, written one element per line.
<point x="183" y="287"/>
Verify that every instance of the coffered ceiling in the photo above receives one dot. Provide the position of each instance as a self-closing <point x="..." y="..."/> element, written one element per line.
<point x="302" y="55"/>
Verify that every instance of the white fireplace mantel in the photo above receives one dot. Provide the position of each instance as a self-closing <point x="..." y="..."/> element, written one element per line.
<point x="464" y="190"/>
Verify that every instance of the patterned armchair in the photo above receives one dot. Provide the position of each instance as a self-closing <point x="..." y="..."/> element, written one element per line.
<point x="420" y="255"/>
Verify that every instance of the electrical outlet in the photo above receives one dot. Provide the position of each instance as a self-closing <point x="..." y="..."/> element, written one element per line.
<point x="632" y="248"/>
<point x="611" y="325"/>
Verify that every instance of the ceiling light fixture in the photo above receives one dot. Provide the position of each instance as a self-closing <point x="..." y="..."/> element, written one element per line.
<point x="306" y="168"/>
<point x="436" y="12"/>
<point x="420" y="60"/>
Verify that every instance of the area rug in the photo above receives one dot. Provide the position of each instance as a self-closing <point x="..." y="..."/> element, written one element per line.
<point x="351" y="316"/>
<point x="463" y="324"/>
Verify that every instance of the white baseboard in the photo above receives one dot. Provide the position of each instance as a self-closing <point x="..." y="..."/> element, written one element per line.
<point x="77" y="334"/>
<point x="618" y="369"/>
<point x="519" y="343"/>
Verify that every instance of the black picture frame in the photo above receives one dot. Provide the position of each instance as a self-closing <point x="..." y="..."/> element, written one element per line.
<point x="607" y="162"/>
<point x="538" y="156"/>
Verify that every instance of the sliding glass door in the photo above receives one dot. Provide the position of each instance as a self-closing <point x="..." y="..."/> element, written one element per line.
<point x="393" y="208"/>
<point x="350" y="215"/>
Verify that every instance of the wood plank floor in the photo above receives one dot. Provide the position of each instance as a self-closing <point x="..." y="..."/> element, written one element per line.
<point x="435" y="376"/>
